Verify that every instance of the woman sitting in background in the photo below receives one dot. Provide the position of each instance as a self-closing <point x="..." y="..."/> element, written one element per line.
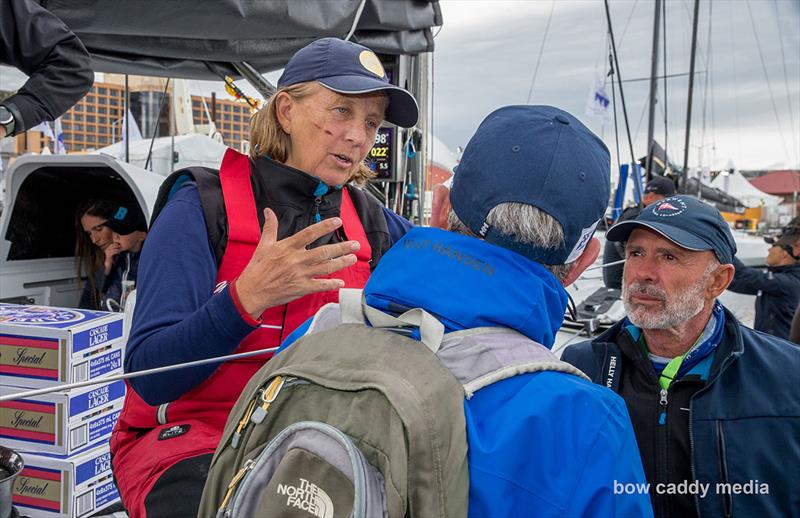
<point x="92" y="239"/>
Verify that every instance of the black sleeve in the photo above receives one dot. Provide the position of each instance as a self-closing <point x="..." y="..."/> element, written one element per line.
<point x="35" y="41"/>
<point x="752" y="280"/>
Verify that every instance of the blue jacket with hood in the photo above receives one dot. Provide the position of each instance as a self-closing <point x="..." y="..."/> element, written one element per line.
<point x="540" y="444"/>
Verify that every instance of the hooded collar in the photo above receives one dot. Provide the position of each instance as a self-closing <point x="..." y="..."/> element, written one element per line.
<point x="466" y="283"/>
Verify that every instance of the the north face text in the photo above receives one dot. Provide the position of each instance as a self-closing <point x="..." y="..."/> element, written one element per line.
<point x="308" y="497"/>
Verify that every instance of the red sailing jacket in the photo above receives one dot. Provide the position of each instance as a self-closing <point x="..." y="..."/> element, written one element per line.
<point x="140" y="458"/>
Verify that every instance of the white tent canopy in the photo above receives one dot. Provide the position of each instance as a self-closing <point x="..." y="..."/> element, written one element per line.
<point x="441" y="154"/>
<point x="737" y="186"/>
<point x="193" y="150"/>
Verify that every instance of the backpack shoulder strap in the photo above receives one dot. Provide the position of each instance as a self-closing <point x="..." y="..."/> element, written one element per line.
<point x="210" y="190"/>
<point x="479" y="357"/>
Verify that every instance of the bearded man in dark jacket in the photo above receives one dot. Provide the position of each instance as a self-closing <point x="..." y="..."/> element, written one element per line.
<point x="713" y="403"/>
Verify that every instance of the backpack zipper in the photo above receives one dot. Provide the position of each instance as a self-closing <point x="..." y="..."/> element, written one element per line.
<point x="267" y="397"/>
<point x="223" y="508"/>
<point x="237" y="434"/>
<point x="256" y="413"/>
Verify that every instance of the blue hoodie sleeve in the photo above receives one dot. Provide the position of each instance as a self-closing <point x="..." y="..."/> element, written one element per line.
<point x="612" y="464"/>
<point x="178" y="316"/>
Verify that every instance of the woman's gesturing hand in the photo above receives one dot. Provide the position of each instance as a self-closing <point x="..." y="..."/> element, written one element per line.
<point x="281" y="271"/>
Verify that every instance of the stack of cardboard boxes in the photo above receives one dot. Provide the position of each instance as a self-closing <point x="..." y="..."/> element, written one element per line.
<point x="63" y="437"/>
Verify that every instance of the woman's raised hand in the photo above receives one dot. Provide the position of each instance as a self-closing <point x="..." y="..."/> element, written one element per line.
<point x="285" y="270"/>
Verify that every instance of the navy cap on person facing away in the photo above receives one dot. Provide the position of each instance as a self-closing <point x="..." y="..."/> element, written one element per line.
<point x="540" y="156"/>
<point x="126" y="220"/>
<point x="661" y="186"/>
<point x="349" y="68"/>
<point x="686" y="221"/>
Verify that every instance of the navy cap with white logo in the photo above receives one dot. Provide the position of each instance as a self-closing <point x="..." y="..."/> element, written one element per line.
<point x="686" y="221"/>
<point x="126" y="220"/>
<point x="540" y="156"/>
<point x="349" y="68"/>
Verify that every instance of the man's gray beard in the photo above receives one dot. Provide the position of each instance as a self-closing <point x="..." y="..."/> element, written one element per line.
<point x="677" y="310"/>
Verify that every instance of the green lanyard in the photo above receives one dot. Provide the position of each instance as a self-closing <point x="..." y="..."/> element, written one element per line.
<point x="670" y="371"/>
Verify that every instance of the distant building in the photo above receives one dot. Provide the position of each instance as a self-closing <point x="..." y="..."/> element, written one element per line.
<point x="96" y="121"/>
<point x="232" y="119"/>
<point x="785" y="184"/>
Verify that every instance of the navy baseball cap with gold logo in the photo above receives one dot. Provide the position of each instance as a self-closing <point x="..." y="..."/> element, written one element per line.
<point x="349" y="68"/>
<point x="686" y="221"/>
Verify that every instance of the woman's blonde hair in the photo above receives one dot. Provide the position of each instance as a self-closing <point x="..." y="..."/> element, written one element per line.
<point x="267" y="137"/>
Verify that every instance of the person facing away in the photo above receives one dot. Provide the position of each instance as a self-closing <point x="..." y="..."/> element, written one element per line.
<point x="656" y="189"/>
<point x="236" y="259"/>
<point x="92" y="238"/>
<point x="777" y="289"/>
<point x="35" y="41"/>
<point x="128" y="232"/>
<point x="712" y="402"/>
<point x="512" y="235"/>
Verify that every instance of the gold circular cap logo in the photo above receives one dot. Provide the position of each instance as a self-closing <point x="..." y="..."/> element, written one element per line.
<point x="371" y="62"/>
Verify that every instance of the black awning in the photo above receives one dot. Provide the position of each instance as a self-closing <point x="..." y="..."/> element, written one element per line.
<point x="199" y="39"/>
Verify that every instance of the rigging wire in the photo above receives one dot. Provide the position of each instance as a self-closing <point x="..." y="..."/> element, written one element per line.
<point x="786" y="81"/>
<point x="666" y="111"/>
<point x="689" y="19"/>
<point x="735" y="88"/>
<point x="128" y="375"/>
<point x="541" y="49"/>
<point x="769" y="85"/>
<point x="639" y="124"/>
<point x="637" y="182"/>
<point x="614" y="101"/>
<point x="155" y="126"/>
<point x="713" y="104"/>
<point x="627" y="22"/>
<point x="705" y="94"/>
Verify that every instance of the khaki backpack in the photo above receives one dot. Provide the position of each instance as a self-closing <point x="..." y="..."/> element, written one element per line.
<point x="362" y="421"/>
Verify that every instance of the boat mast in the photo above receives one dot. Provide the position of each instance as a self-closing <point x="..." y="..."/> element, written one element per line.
<point x="636" y="181"/>
<point x="689" y="104"/>
<point x="653" y="82"/>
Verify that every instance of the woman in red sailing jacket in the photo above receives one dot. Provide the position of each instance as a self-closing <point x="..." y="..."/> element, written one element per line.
<point x="236" y="260"/>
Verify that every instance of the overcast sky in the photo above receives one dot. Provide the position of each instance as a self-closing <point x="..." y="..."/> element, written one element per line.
<point x="487" y="51"/>
<point x="486" y="54"/>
